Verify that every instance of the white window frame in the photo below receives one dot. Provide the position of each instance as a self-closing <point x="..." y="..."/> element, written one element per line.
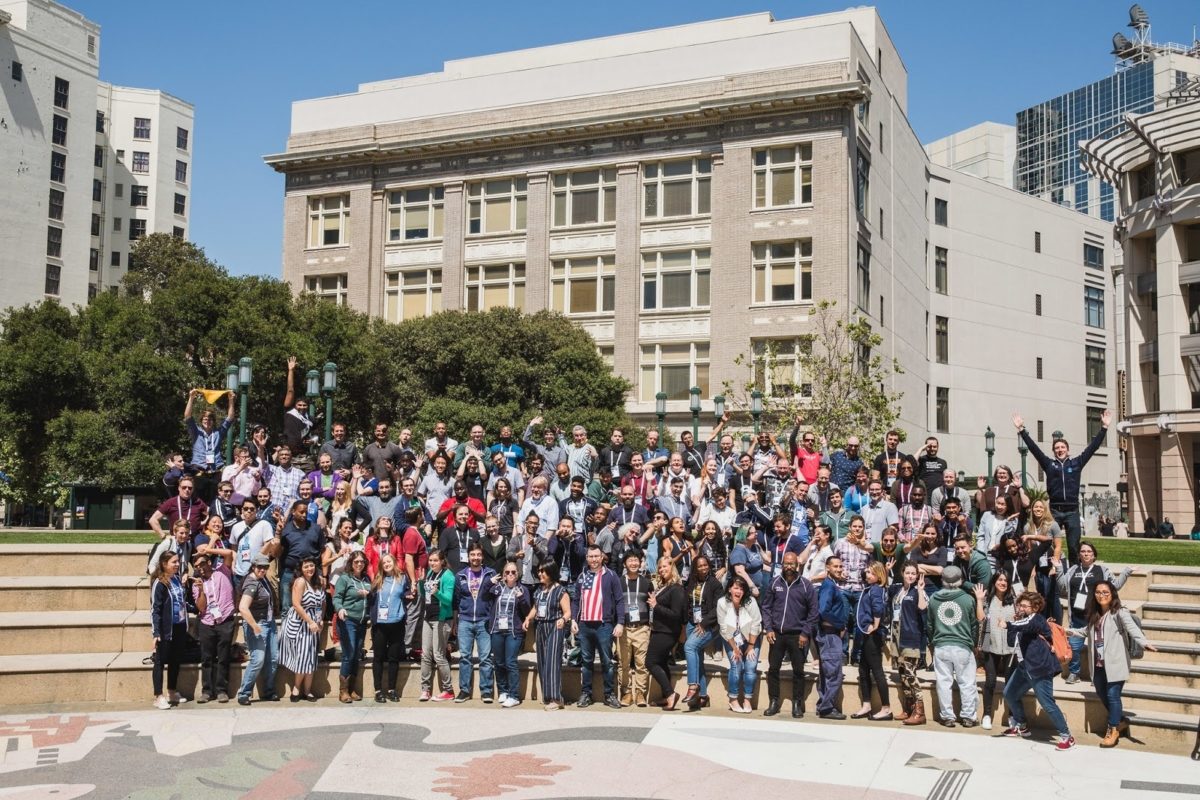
<point x="768" y="356"/>
<point x="567" y="186"/>
<point x="481" y="194"/>
<point x="650" y="357"/>
<point x="655" y="181"/>
<point x="315" y="284"/>
<point x="400" y="206"/>
<point x="396" y="288"/>
<point x="768" y="164"/>
<point x="699" y="269"/>
<point x="320" y="211"/>
<point x="476" y="279"/>
<point x="601" y="270"/>
<point x="764" y="259"/>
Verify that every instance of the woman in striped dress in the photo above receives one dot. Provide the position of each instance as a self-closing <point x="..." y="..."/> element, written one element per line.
<point x="301" y="628"/>
<point x="552" y="611"/>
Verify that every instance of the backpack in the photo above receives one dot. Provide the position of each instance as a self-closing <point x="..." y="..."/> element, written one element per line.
<point x="1058" y="642"/>
<point x="1132" y="646"/>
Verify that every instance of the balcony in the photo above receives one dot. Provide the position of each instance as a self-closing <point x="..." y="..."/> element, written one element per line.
<point x="1189" y="345"/>
<point x="1147" y="283"/>
<point x="1189" y="272"/>
<point x="1148" y="352"/>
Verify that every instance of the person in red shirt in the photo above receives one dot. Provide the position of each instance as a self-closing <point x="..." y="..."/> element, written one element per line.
<point x="184" y="505"/>
<point x="381" y="542"/>
<point x="806" y="456"/>
<point x="414" y="562"/>
<point x="641" y="478"/>
<point x="461" y="498"/>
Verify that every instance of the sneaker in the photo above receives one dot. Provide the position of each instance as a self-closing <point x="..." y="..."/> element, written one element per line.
<point x="243" y="700"/>
<point x="968" y="723"/>
<point x="987" y="722"/>
<point x="177" y="699"/>
<point x="612" y="702"/>
<point x="510" y="702"/>
<point x="947" y="723"/>
<point x="1065" y="742"/>
<point x="1073" y="677"/>
<point x="1016" y="730"/>
<point x="425" y="695"/>
<point x="553" y="706"/>
<point x="162" y="702"/>
<point x="584" y="701"/>
<point x="203" y="698"/>
<point x="487" y="698"/>
<point x="461" y="697"/>
<point x="444" y="696"/>
<point x="503" y="696"/>
<point x="222" y="697"/>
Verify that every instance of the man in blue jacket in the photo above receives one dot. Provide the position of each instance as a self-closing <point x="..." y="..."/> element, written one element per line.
<point x="834" y="611"/>
<point x="597" y="617"/>
<point x="1063" y="477"/>
<point x="789" y="618"/>
<point x="471" y="586"/>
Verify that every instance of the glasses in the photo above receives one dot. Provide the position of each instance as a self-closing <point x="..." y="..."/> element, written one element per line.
<point x="510" y="572"/>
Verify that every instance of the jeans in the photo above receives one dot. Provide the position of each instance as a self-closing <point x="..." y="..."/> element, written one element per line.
<point x="596" y="637"/>
<point x="351" y="634"/>
<point x="1076" y="642"/>
<point x="743" y="672"/>
<point x="852" y="626"/>
<point x="955" y="665"/>
<point x="470" y="635"/>
<point x="1069" y="522"/>
<point x="1047" y="587"/>
<point x="1110" y="696"/>
<point x="168" y="653"/>
<point x="693" y="653"/>
<point x="507" y="646"/>
<point x="264" y="655"/>
<point x="829" y="682"/>
<point x="1016" y="687"/>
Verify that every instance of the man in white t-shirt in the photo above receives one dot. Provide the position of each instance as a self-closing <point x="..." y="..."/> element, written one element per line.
<point x="247" y="538"/>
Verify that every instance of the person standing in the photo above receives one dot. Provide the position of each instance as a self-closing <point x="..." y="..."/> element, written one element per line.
<point x="437" y="594"/>
<point x="908" y="604"/>
<point x="257" y="608"/>
<point x="472" y="584"/>
<point x="952" y="623"/>
<point x="350" y="606"/>
<point x="297" y="425"/>
<point x="1030" y="636"/>
<point x="668" y="610"/>
<point x="302" y="627"/>
<point x="702" y="590"/>
<point x="740" y="623"/>
<point x="833" y="614"/>
<point x="789" y="619"/>
<point x="169" y="605"/>
<point x="633" y="678"/>
<point x="208" y="438"/>
<point x="512" y="604"/>
<point x="551" y="613"/>
<point x="1077" y="583"/>
<point x="386" y="609"/>
<point x="597" y="614"/>
<point x="994" y="651"/>
<point x="869" y="616"/>
<point x="213" y="596"/>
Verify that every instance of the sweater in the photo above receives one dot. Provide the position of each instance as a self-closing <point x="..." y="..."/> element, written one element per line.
<point x="1116" y="631"/>
<point x="951" y="619"/>
<point x="670" y="609"/>
<point x="346" y="596"/>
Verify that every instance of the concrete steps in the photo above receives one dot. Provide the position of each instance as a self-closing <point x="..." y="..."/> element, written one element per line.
<point x="1160" y="630"/>
<point x="1172" y="652"/>
<point x="32" y="632"/>
<point x="1173" y="612"/>
<point x="1174" y="593"/>
<point x="1160" y="673"/>
<point x="75" y="592"/>
<point x="1189" y="576"/>
<point x="82" y="559"/>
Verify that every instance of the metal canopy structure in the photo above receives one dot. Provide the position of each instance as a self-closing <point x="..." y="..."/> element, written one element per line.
<point x="1141" y="138"/>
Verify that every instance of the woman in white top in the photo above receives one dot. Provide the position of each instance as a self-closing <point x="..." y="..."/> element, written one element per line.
<point x="993" y="527"/>
<point x="815" y="554"/>
<point x="339" y="507"/>
<point x="719" y="511"/>
<point x="740" y="623"/>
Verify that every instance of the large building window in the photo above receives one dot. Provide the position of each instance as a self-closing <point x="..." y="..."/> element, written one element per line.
<point x="783" y="176"/>
<point x="94" y="259"/>
<point x="62" y="93"/>
<point x="329" y="220"/>
<point x="328" y="287"/>
<point x="942" y="410"/>
<point x="674" y="369"/>
<point x="137" y="229"/>
<point x="56" y="204"/>
<point x="1093" y="256"/>
<point x="497" y="205"/>
<point x="777" y="370"/>
<point x="941" y="212"/>
<point x="141" y="163"/>
<point x="96" y="225"/>
<point x="99" y="122"/>
<point x="863" y="273"/>
<point x="412" y="293"/>
<point x="141" y="127"/>
<point x="862" y="182"/>
<point x="416" y="213"/>
<point x="180" y="204"/>
<point x="54" y="237"/>
<point x="1094" y="422"/>
<point x="181" y="168"/>
<point x="139" y="195"/>
<point x="941" y="270"/>
<point x="586" y="197"/>
<point x="98" y="157"/>
<point x="181" y="138"/>
<point x="782" y="272"/>
<point x="583" y="285"/>
<point x="58" y="167"/>
<point x="59" y="134"/>
<point x="53" y="279"/>
<point x="1094" y="366"/>
<point x="676" y="279"/>
<point x="495" y="286"/>
<point x="1093" y="306"/>
<point x="941" y="339"/>
<point x="677" y="188"/>
<point x="98" y="190"/>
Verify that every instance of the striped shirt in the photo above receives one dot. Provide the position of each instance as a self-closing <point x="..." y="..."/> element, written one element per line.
<point x="591" y="596"/>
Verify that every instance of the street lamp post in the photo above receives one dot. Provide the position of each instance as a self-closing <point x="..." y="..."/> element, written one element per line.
<point x="1023" y="449"/>
<point x="231" y="383"/>
<point x="756" y="408"/>
<point x="328" y="387"/>
<point x="245" y="376"/>
<point x="660" y="411"/>
<point x="989" y="447"/>
<point x="719" y="406"/>
<point x="694" y="405"/>
<point x="745" y="443"/>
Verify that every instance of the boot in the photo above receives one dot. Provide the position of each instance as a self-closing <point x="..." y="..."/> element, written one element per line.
<point x="772" y="707"/>
<point x="343" y="694"/>
<point x="352" y="683"/>
<point x="902" y="714"/>
<point x="1111" y="737"/>
<point x="917" y="715"/>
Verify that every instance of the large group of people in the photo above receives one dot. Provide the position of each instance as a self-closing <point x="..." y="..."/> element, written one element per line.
<point x="636" y="560"/>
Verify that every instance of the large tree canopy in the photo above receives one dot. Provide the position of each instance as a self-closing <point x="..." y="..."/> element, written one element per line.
<point x="96" y="396"/>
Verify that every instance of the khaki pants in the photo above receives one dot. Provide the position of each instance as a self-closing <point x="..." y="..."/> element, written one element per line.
<point x="633" y="678"/>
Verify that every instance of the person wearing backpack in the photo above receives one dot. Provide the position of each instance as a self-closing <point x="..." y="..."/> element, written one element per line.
<point x="1113" y="640"/>
<point x="1037" y="664"/>
<point x="1077" y="583"/>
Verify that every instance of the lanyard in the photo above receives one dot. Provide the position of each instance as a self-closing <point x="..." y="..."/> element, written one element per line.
<point x="1083" y="578"/>
<point x="630" y="596"/>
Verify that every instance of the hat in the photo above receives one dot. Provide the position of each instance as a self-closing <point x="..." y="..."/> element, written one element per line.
<point x="952" y="577"/>
<point x="260" y="561"/>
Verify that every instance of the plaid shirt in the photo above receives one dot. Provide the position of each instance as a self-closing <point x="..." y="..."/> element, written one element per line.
<point x="855" y="561"/>
<point x="284" y="485"/>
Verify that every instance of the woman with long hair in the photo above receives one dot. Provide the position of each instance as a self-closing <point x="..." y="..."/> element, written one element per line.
<point x="389" y="588"/>
<point x="340" y="505"/>
<point x="994" y="651"/>
<point x="504" y="507"/>
<point x="302" y="629"/>
<point x="511" y="603"/>
<point x="350" y="607"/>
<point x="551" y="612"/>
<point x="869" y="617"/>
<point x="908" y="604"/>
<point x="676" y="548"/>
<point x="1030" y="636"/>
<point x="667" y="611"/>
<point x="1044" y="538"/>
<point x="1077" y="584"/>
<point x="740" y="623"/>
<point x="747" y="560"/>
<point x="1018" y="563"/>
<point x="437" y="593"/>
<point x="702" y="590"/>
<point x="383" y="541"/>
<point x="711" y="545"/>
<point x="211" y="542"/>
<point x="169" y="605"/>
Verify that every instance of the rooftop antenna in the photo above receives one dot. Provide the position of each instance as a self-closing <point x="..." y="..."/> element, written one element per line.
<point x="1139" y="20"/>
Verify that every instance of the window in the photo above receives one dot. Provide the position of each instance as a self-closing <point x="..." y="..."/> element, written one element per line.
<point x="91" y="47"/>
<point x="121" y="156"/>
<point x="97" y="190"/>
<point x="862" y="182"/>
<point x="59" y="134"/>
<point x="677" y="188"/>
<point x="782" y="272"/>
<point x="181" y="171"/>
<point x="584" y="285"/>
<point x="1037" y="241"/>
<point x="415" y="213"/>
<point x="881" y="223"/>
<point x="674" y="369"/>
<point x="1094" y="366"/>
<point x="1037" y="370"/>
<point x="496" y="206"/>
<point x="114" y="258"/>
<point x="141" y="128"/>
<point x="1093" y="256"/>
<point x="777" y="368"/>
<point x="53" y="278"/>
<point x="863" y="273"/>
<point x="177" y="232"/>
<point x="96" y="222"/>
<point x="328" y="287"/>
<point x="53" y="241"/>
<point x="117" y="224"/>
<point x="942" y="410"/>
<point x="412" y="293"/>
<point x="17" y="72"/>
<point x="62" y="93"/>
<point x="608" y="353"/>
<point x="1037" y="304"/>
<point x="1093" y="422"/>
<point x="141" y="162"/>
<point x="137" y="229"/>
<point x="941" y="212"/>
<point x="180" y="204"/>
<point x="495" y="286"/>
<point x="329" y="220"/>
<point x="1041" y="430"/>
<point x="676" y="279"/>
<point x="941" y="339"/>
<point x="58" y="167"/>
<point x="1187" y="165"/>
<point x="783" y="176"/>
<point x="181" y="138"/>
<point x="586" y="197"/>
<point x="99" y="122"/>
<point x="941" y="270"/>
<point x="56" y="204"/>
<point x="98" y="157"/>
<point x="139" y="195"/>
<point x="94" y="259"/>
<point x="119" y="190"/>
<point x="1093" y="307"/>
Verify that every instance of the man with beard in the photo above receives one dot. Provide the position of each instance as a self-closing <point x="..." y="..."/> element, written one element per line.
<point x="789" y="618"/>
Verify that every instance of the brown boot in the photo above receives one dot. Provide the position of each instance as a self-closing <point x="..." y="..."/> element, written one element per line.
<point x="343" y="694"/>
<point x="917" y="715"/>
<point x="352" y="685"/>
<point x="902" y="713"/>
<point x="1111" y="737"/>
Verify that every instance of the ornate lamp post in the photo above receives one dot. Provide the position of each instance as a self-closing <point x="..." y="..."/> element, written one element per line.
<point x="245" y="377"/>
<point x="694" y="405"/>
<point x="1023" y="449"/>
<point x="231" y="383"/>
<point x="989" y="447"/>
<point x="660" y="411"/>
<point x="756" y="408"/>
<point x="328" y="387"/>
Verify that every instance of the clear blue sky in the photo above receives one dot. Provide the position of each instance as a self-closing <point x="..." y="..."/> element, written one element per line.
<point x="242" y="64"/>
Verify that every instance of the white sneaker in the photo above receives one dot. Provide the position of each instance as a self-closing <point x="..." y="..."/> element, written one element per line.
<point x="162" y="702"/>
<point x="503" y="698"/>
<point x="510" y="702"/>
<point x="987" y="722"/>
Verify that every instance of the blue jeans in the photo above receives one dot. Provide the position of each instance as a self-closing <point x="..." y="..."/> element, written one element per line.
<point x="264" y="655"/>
<point x="506" y="647"/>
<point x="1110" y="696"/>
<point x="596" y="637"/>
<point x="743" y="673"/>
<point x="1076" y="642"/>
<point x="1048" y="588"/>
<point x="851" y="625"/>
<point x="350" y="632"/>
<point x="1069" y="522"/>
<point x="693" y="652"/>
<point x="472" y="635"/>
<point x="1016" y="687"/>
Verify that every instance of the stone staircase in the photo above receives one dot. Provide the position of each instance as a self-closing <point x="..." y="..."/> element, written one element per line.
<point x="74" y="628"/>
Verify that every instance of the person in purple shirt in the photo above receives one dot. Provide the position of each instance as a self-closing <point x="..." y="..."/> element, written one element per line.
<point x="213" y="593"/>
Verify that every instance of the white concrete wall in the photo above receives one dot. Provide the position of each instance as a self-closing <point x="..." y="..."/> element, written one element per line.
<point x="986" y="150"/>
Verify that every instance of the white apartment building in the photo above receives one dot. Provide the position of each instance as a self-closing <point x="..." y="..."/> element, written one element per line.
<point x="688" y="195"/>
<point x="987" y="150"/>
<point x="62" y="133"/>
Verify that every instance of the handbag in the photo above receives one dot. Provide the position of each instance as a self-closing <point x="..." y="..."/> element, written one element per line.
<point x="1133" y="647"/>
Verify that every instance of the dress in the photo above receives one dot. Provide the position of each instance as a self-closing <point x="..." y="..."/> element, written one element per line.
<point x="298" y="651"/>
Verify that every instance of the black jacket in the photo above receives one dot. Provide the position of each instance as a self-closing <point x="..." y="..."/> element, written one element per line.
<point x="1063" y="475"/>
<point x="709" y="596"/>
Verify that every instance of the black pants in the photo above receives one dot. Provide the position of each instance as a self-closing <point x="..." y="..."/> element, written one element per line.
<point x="658" y="661"/>
<point x="388" y="644"/>
<point x="215" y="641"/>
<point x="788" y="643"/>
<point x="169" y="653"/>
<point x="870" y="668"/>
<point x="994" y="665"/>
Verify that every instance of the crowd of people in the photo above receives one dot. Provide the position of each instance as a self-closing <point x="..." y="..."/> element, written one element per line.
<point x="637" y="560"/>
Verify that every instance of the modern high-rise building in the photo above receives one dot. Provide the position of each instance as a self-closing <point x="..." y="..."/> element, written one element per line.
<point x="688" y="196"/>
<point x="90" y="166"/>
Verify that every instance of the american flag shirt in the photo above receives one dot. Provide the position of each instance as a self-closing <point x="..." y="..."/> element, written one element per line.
<point x="591" y="596"/>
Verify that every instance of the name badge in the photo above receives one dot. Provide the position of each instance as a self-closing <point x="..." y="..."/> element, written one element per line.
<point x="950" y="557"/>
<point x="1044" y="560"/>
<point x="1080" y="603"/>
<point x="776" y="569"/>
<point x="210" y="459"/>
<point x="383" y="614"/>
<point x="564" y="572"/>
<point x="684" y="573"/>
<point x="502" y="623"/>
<point x="896" y="614"/>
<point x="635" y="615"/>
<point x="739" y="640"/>
<point x="721" y="478"/>
<point x="1099" y="647"/>
<point x="543" y="609"/>
<point x="695" y="615"/>
<point x="462" y="555"/>
<point x="244" y="556"/>
<point x="616" y="471"/>
<point x="429" y="593"/>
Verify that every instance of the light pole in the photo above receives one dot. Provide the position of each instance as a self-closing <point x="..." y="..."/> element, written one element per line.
<point x="989" y="447"/>
<point x="694" y="405"/>
<point x="245" y="376"/>
<point x="660" y="411"/>
<point x="328" y="387"/>
<point x="745" y="443"/>
<point x="719" y="406"/>
<point x="231" y="383"/>
<point x="312" y="386"/>
<point x="1023" y="449"/>
<point x="756" y="408"/>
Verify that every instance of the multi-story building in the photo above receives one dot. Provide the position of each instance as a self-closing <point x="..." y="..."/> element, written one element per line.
<point x="986" y="150"/>
<point x="62" y="147"/>
<point x="689" y="195"/>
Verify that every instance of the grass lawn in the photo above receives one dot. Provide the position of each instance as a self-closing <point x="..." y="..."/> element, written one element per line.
<point x="78" y="537"/>
<point x="1173" y="553"/>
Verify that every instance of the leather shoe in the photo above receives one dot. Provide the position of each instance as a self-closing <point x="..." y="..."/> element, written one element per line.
<point x="772" y="708"/>
<point x="797" y="711"/>
<point x="832" y="715"/>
